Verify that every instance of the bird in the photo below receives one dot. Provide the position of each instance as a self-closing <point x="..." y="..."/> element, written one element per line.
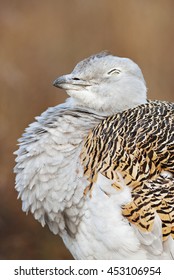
<point x="98" y="170"/>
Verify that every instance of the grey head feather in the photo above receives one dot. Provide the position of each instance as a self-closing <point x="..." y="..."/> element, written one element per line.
<point x="89" y="60"/>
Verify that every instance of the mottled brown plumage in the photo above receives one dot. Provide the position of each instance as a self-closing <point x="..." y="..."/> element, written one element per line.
<point x="138" y="144"/>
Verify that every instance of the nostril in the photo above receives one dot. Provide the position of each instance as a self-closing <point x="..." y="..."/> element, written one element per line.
<point x="76" y="79"/>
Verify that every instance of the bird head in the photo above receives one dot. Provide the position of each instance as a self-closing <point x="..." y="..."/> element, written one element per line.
<point x="105" y="83"/>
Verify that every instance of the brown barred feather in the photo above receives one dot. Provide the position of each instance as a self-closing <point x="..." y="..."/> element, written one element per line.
<point x="139" y="144"/>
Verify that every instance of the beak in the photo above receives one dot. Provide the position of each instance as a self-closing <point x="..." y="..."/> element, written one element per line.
<point x="60" y="82"/>
<point x="70" y="82"/>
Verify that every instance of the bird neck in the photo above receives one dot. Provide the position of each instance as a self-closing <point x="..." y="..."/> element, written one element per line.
<point x="111" y="103"/>
<point x="75" y="105"/>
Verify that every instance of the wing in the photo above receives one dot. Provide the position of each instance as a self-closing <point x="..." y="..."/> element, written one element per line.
<point x="49" y="176"/>
<point x="47" y="166"/>
<point x="138" y="144"/>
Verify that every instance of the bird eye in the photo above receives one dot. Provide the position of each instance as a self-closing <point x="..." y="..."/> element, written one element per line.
<point x="114" y="71"/>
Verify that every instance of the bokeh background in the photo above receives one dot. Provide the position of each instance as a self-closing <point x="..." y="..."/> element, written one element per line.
<point x="40" y="40"/>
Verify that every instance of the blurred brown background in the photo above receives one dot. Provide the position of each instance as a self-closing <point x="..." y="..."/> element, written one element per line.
<point x="40" y="40"/>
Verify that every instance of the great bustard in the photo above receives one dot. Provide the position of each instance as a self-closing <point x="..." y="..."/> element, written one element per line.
<point x="99" y="169"/>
